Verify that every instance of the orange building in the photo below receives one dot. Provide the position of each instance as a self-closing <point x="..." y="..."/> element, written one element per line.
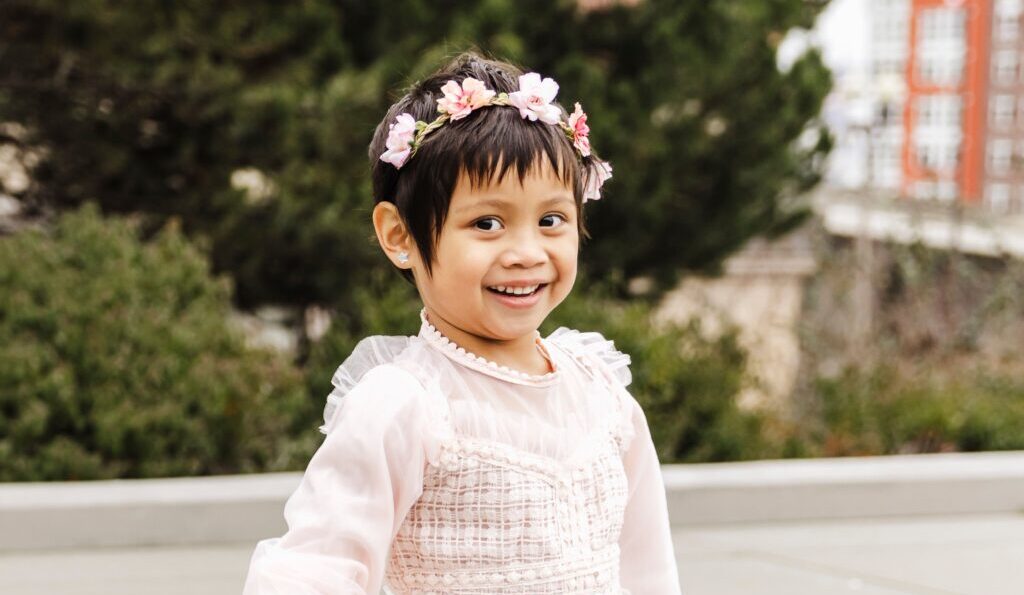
<point x="947" y="99"/>
<point x="1003" y="179"/>
<point x="963" y="112"/>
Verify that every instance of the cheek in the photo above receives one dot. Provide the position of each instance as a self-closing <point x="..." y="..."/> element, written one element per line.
<point x="566" y="258"/>
<point x="460" y="263"/>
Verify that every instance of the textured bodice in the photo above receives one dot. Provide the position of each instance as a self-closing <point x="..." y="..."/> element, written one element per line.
<point x="493" y="519"/>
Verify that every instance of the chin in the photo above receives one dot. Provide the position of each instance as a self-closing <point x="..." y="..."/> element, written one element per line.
<point x="515" y="329"/>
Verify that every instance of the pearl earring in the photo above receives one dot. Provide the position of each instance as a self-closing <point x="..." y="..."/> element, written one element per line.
<point x="403" y="257"/>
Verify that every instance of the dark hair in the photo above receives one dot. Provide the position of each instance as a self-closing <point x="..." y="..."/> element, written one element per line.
<point x="485" y="145"/>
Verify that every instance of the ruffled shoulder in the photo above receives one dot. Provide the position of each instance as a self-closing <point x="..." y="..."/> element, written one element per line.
<point x="593" y="345"/>
<point x="368" y="354"/>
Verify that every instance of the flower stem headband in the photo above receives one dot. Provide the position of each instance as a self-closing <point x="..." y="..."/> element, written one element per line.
<point x="533" y="100"/>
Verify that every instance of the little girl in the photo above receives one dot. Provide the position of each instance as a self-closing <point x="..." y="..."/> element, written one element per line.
<point x="478" y="457"/>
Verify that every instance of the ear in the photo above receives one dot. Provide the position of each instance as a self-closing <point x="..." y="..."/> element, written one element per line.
<point x="392" y="234"/>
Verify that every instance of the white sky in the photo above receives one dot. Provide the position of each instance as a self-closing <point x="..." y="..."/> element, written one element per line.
<point x="842" y="34"/>
<point x="842" y="31"/>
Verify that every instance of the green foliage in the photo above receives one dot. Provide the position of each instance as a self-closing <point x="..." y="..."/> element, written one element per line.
<point x="151" y="106"/>
<point x="945" y="340"/>
<point x="388" y="307"/>
<point x="883" y="411"/>
<point x="118" y="362"/>
<point x="687" y="385"/>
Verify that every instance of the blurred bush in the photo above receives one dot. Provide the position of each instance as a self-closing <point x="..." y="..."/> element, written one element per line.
<point x="388" y="306"/>
<point x="885" y="411"/>
<point x="118" y="362"/>
<point x="686" y="384"/>
<point x="940" y="369"/>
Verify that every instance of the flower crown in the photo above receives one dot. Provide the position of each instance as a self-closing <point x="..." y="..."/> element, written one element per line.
<point x="533" y="100"/>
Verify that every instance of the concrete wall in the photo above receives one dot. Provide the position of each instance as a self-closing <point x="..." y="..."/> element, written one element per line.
<point x="761" y="295"/>
<point x="234" y="509"/>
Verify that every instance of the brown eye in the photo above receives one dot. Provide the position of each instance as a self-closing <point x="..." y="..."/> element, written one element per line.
<point x="552" y="220"/>
<point x="488" y="224"/>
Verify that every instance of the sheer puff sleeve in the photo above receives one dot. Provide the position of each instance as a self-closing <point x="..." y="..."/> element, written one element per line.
<point x="354" y="494"/>
<point x="648" y="558"/>
<point x="648" y="564"/>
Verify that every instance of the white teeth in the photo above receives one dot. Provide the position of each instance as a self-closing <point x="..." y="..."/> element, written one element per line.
<point x="515" y="290"/>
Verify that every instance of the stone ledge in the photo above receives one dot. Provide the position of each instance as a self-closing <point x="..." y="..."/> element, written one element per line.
<point x="855" y="487"/>
<point x="241" y="508"/>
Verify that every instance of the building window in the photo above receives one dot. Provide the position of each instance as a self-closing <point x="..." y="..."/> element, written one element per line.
<point x="1001" y="112"/>
<point x="937" y="156"/>
<point x="941" y="45"/>
<point x="942" y="111"/>
<point x="938" y="132"/>
<point x="997" y="197"/>
<point x="1007" y="28"/>
<point x="1000" y="156"/>
<point x="884" y="65"/>
<point x="890" y="114"/>
<point x="1004" y="67"/>
<point x="887" y="153"/>
<point x="1008" y="14"/>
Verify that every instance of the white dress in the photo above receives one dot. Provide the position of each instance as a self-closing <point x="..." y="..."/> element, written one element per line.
<point x="443" y="472"/>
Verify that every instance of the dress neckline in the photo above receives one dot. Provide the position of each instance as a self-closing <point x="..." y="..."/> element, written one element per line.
<point x="460" y="355"/>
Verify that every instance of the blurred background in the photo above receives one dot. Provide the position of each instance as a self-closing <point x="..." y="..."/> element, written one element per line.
<point x="812" y="246"/>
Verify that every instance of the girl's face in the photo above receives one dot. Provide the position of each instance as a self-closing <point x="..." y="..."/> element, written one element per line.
<point x="499" y="239"/>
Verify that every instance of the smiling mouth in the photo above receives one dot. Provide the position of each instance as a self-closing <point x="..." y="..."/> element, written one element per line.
<point x="517" y="291"/>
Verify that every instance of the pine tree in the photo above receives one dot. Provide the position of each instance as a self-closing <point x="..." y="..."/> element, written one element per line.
<point x="153" y="108"/>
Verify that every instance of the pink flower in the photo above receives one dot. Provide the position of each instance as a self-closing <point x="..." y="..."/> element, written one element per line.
<point x="600" y="171"/>
<point x="580" y="130"/>
<point x="458" y="102"/>
<point x="534" y="99"/>
<point x="399" y="143"/>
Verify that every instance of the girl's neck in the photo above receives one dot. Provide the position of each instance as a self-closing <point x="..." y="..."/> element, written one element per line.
<point x="519" y="354"/>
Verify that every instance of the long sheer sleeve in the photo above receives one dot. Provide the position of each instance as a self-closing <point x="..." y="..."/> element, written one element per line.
<point x="354" y="494"/>
<point x="648" y="559"/>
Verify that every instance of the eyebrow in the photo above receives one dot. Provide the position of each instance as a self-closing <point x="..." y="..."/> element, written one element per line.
<point x="501" y="203"/>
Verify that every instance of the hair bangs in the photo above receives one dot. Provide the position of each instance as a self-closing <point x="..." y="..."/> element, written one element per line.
<point x="500" y="142"/>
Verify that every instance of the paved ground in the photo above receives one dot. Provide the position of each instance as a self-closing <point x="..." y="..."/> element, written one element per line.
<point x="962" y="555"/>
<point x="951" y="555"/>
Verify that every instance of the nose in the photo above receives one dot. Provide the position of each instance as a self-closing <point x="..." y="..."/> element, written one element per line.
<point x="525" y="250"/>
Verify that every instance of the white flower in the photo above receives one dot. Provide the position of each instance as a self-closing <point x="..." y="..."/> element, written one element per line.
<point x="534" y="99"/>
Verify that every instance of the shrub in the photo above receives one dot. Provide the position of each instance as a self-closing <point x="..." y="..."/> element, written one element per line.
<point x="117" y="361"/>
<point x="687" y="384"/>
<point x="884" y="411"/>
<point x="388" y="307"/>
